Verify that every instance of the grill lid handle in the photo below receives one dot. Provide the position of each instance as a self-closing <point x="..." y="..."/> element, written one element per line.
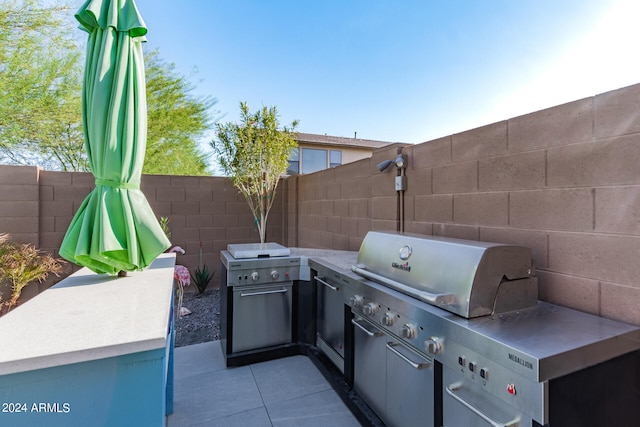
<point x="435" y="299"/>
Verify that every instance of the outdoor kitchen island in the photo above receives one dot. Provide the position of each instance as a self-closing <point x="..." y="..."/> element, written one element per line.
<point x="91" y="350"/>
<point x="522" y="363"/>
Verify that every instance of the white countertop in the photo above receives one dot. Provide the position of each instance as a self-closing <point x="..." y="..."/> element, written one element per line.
<point x="88" y="317"/>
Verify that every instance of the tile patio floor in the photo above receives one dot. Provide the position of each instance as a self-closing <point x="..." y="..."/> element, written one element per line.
<point x="283" y="392"/>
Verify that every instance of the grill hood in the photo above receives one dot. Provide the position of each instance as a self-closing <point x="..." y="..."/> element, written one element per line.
<point x="468" y="278"/>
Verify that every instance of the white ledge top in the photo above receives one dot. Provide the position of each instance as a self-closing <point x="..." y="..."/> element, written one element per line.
<point x="88" y="316"/>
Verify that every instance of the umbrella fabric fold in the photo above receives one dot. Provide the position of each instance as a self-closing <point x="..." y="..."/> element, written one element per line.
<point x="115" y="228"/>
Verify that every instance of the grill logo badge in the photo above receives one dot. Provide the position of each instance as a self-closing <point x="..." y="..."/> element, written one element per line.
<point x="404" y="253"/>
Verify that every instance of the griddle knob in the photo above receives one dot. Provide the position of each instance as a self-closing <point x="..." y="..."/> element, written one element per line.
<point x="370" y="309"/>
<point x="409" y="331"/>
<point x="275" y="274"/>
<point x="255" y="276"/>
<point x="356" y="301"/>
<point x="389" y="318"/>
<point x="433" y="345"/>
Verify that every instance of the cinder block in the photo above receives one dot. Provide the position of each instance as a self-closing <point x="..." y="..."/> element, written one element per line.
<point x="434" y="208"/>
<point x="616" y="112"/>
<point x="480" y="143"/>
<point x="185" y="181"/>
<point x="333" y="224"/>
<point x="354" y="170"/>
<point x="383" y="225"/>
<point x="534" y="239"/>
<point x="198" y="194"/>
<point x="418" y="182"/>
<point x="61" y="223"/>
<point x="354" y="243"/>
<point x="225" y="221"/>
<point x="21" y="175"/>
<point x="384" y="208"/>
<point x="618" y="210"/>
<point x="608" y="257"/>
<point x="51" y="240"/>
<point x="340" y="208"/>
<point x="574" y="292"/>
<point x="417" y="227"/>
<point x="55" y="178"/>
<point x="570" y="209"/>
<point x="19" y="193"/>
<point x="168" y="194"/>
<point x="82" y="179"/>
<point x="383" y="184"/>
<point x="364" y="226"/>
<point x="458" y="231"/>
<point x="340" y="242"/>
<point x="514" y="172"/>
<point x="491" y="209"/>
<point x="179" y="236"/>
<point x="185" y="208"/>
<point x="456" y="178"/>
<point x="212" y="182"/>
<point x="409" y="208"/>
<point x="212" y="208"/>
<point x="16" y="208"/>
<point x="359" y="208"/>
<point x="334" y="192"/>
<point x="604" y="162"/>
<point x="155" y="181"/>
<point x="47" y="224"/>
<point x="199" y="221"/>
<point x="430" y="154"/>
<point x="561" y="125"/>
<point x="621" y="303"/>
<point x="57" y="208"/>
<point x="45" y="193"/>
<point x="73" y="194"/>
<point x="15" y="225"/>
<point x="240" y="207"/>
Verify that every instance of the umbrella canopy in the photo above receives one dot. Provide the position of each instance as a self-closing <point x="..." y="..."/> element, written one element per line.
<point x="115" y="228"/>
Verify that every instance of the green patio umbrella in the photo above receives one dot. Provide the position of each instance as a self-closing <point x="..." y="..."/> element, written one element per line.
<point x="114" y="229"/>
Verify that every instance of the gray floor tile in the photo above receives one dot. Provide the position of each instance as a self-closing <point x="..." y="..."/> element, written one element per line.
<point x="213" y="395"/>
<point x="254" y="418"/>
<point x="288" y="378"/>
<point x="198" y="358"/>
<point x="283" y="392"/>
<point x="320" y="409"/>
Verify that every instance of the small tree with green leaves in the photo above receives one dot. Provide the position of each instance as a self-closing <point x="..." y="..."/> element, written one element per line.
<point x="254" y="155"/>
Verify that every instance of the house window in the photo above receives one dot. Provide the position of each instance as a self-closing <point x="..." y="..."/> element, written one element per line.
<point x="313" y="160"/>
<point x="294" y="162"/>
<point x="335" y="158"/>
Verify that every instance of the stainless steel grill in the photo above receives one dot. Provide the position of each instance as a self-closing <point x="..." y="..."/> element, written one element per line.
<point x="464" y="277"/>
<point x="471" y="307"/>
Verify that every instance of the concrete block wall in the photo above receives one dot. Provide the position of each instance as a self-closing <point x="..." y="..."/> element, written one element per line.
<point x="38" y="206"/>
<point x="564" y="181"/>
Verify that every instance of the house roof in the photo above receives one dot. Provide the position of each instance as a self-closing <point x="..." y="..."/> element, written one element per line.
<point x="340" y="140"/>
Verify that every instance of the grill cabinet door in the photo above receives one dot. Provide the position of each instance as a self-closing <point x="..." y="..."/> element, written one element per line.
<point x="410" y="386"/>
<point x="369" y="378"/>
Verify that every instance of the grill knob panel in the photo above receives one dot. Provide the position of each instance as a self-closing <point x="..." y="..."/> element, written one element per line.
<point x="370" y="309"/>
<point x="389" y="318"/>
<point x="409" y="331"/>
<point x="433" y="345"/>
<point x="356" y="301"/>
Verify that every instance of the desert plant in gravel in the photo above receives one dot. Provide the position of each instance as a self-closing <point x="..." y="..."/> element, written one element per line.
<point x="201" y="275"/>
<point x="21" y="264"/>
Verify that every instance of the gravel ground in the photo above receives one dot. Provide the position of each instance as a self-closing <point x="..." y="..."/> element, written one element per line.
<point x="203" y="324"/>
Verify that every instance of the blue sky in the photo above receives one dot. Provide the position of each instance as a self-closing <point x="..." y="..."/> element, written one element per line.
<point x="397" y="70"/>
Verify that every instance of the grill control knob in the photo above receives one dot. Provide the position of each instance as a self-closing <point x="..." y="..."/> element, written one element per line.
<point x="370" y="309"/>
<point x="433" y="345"/>
<point x="255" y="276"/>
<point x="275" y="274"/>
<point x="356" y="301"/>
<point x="389" y="318"/>
<point x="409" y="331"/>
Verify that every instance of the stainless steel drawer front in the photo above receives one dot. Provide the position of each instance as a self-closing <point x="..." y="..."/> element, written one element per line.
<point x="262" y="316"/>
